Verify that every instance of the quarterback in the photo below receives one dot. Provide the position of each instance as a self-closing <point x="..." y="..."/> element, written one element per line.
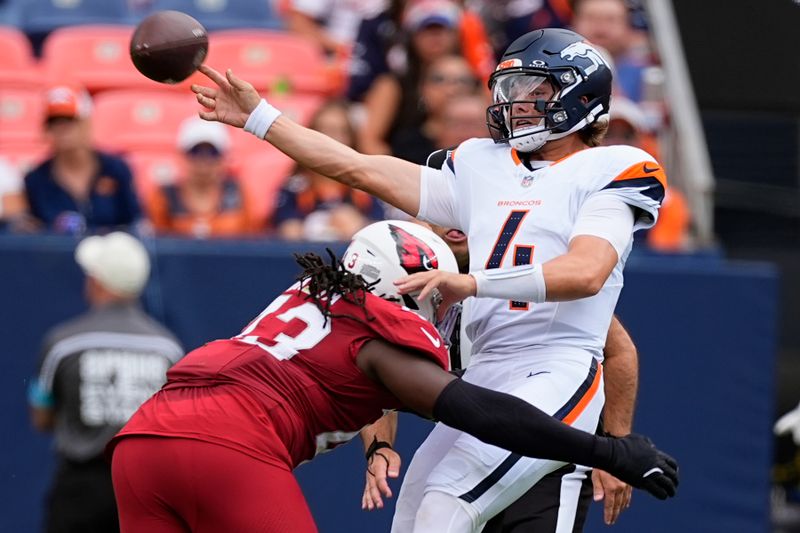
<point x="549" y="218"/>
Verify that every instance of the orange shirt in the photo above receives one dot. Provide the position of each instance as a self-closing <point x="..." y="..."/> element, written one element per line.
<point x="170" y="213"/>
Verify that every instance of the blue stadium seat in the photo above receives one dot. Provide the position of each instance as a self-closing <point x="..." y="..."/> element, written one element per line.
<point x="226" y="14"/>
<point x="39" y="17"/>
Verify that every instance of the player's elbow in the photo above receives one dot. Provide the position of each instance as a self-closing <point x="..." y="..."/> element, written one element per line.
<point x="590" y="282"/>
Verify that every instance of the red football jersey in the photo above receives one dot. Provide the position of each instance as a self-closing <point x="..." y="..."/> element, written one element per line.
<point x="288" y="386"/>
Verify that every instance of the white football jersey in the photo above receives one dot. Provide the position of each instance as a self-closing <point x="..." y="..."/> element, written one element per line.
<point x="515" y="216"/>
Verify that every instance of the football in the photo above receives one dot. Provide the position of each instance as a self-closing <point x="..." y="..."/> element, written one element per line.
<point x="168" y="46"/>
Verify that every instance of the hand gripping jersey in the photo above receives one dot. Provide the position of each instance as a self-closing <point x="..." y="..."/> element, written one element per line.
<point x="288" y="386"/>
<point x="515" y="216"/>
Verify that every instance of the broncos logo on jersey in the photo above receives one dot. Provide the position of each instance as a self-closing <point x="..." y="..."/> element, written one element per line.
<point x="415" y="255"/>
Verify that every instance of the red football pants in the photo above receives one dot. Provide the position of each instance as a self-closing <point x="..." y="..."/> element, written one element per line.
<point x="174" y="485"/>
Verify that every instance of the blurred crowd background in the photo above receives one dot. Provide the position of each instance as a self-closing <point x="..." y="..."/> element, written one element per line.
<point x="87" y="144"/>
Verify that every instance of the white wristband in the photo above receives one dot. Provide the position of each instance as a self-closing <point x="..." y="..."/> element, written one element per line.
<point x="260" y="120"/>
<point x="522" y="283"/>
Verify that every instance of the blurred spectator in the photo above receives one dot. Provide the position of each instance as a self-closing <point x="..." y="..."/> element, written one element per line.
<point x="506" y="20"/>
<point x="446" y="78"/>
<point x="313" y="207"/>
<point x="94" y="372"/>
<point x="78" y="188"/>
<point x="607" y="23"/>
<point x="13" y="208"/>
<point x="331" y="23"/>
<point x="395" y="42"/>
<point x="463" y="117"/>
<point x="206" y="202"/>
<point x="627" y="125"/>
<point x="392" y="103"/>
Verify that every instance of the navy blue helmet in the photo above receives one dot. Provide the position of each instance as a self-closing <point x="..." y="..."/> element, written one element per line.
<point x="549" y="83"/>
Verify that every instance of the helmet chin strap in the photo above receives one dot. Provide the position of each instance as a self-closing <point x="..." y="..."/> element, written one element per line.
<point x="530" y="142"/>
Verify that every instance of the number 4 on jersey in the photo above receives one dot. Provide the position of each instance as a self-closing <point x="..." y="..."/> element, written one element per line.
<point x="523" y="254"/>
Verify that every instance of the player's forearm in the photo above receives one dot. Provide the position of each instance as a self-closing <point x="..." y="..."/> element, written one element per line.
<point x="515" y="425"/>
<point x="579" y="273"/>
<point x="393" y="180"/>
<point x="384" y="430"/>
<point x="621" y="374"/>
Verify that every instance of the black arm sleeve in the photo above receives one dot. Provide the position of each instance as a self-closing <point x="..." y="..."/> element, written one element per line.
<point x="508" y="422"/>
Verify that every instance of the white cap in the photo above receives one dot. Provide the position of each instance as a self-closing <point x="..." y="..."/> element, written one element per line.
<point x="118" y="261"/>
<point x="624" y="109"/>
<point x="195" y="130"/>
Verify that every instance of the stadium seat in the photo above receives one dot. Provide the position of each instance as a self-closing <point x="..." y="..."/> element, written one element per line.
<point x="125" y="121"/>
<point x="23" y="156"/>
<point x="21" y="116"/>
<point x="95" y="56"/>
<point x="261" y="176"/>
<point x="18" y="67"/>
<point x="226" y="14"/>
<point x="273" y="61"/>
<point x="153" y="169"/>
<point x="39" y="17"/>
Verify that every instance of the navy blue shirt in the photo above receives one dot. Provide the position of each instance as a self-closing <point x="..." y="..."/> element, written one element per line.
<point x="112" y="200"/>
<point x="297" y="200"/>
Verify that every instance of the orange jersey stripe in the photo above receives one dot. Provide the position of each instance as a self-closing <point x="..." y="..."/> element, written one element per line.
<point x="645" y="169"/>
<point x="581" y="406"/>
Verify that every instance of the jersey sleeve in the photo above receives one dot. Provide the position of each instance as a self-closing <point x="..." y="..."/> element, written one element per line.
<point x="438" y="202"/>
<point x="640" y="182"/>
<point x="607" y="216"/>
<point x="401" y="326"/>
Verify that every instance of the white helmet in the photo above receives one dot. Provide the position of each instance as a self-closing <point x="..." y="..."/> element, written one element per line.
<point x="388" y="250"/>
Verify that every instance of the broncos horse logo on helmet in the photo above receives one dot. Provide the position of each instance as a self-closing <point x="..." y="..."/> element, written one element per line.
<point x="550" y="83"/>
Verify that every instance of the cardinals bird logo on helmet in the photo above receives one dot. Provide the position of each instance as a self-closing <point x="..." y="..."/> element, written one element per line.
<point x="386" y="251"/>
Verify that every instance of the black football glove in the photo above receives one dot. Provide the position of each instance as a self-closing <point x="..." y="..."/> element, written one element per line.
<point x="636" y="461"/>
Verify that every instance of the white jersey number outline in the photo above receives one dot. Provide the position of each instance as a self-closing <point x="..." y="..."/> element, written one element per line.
<point x="286" y="347"/>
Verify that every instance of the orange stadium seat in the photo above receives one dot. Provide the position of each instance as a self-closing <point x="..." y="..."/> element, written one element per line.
<point x="268" y="59"/>
<point x="131" y="120"/>
<point x="21" y="116"/>
<point x="23" y="156"/>
<point x="18" y="68"/>
<point x="261" y="176"/>
<point x="94" y="56"/>
<point x="153" y="169"/>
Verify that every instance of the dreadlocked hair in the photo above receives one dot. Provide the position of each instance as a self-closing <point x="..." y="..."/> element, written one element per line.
<point x="323" y="281"/>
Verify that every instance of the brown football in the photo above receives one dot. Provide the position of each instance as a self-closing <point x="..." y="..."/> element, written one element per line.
<point x="168" y="46"/>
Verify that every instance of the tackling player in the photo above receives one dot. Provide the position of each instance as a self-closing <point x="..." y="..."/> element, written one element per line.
<point x="549" y="217"/>
<point x="214" y="449"/>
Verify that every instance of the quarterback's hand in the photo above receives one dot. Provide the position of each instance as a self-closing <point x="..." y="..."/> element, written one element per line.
<point x="453" y="287"/>
<point x="231" y="102"/>
<point x="616" y="494"/>
<point x="789" y="423"/>
<point x="636" y="461"/>
<point x="384" y="464"/>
